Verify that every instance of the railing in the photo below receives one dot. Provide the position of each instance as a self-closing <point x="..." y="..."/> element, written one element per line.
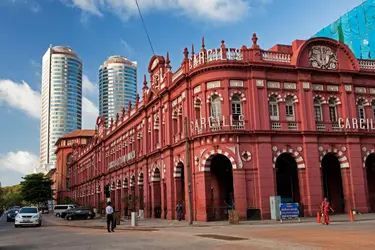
<point x="215" y="55"/>
<point x="219" y="127"/>
<point x="286" y="125"/>
<point x="366" y="64"/>
<point x="320" y="126"/>
<point x="275" y="57"/>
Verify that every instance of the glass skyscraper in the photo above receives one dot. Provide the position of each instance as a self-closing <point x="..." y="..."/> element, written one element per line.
<point x="117" y="86"/>
<point x="61" y="99"/>
<point x="356" y="29"/>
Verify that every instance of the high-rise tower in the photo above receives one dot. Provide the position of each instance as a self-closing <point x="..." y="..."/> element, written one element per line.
<point x="117" y="86"/>
<point x="61" y="99"/>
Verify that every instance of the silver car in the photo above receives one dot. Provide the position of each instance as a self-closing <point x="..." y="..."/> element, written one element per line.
<point x="28" y="216"/>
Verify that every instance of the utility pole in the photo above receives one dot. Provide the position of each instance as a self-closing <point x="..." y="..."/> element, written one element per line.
<point x="188" y="170"/>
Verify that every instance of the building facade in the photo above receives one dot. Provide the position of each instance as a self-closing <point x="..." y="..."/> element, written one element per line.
<point x="295" y="121"/>
<point x="61" y="99"/>
<point x="64" y="149"/>
<point x="356" y="29"/>
<point x="117" y="86"/>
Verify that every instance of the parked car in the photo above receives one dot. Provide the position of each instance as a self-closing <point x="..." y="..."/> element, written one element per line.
<point x="28" y="216"/>
<point x="11" y="214"/>
<point x="78" y="214"/>
<point x="58" y="209"/>
<point x="68" y="211"/>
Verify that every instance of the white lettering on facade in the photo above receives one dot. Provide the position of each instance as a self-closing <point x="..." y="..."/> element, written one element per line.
<point x="354" y="123"/>
<point x="121" y="160"/>
<point x="216" y="122"/>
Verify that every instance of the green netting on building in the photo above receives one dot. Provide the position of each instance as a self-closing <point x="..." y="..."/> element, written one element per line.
<point x="356" y="29"/>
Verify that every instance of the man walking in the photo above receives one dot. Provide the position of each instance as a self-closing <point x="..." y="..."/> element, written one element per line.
<point x="109" y="212"/>
<point x="179" y="211"/>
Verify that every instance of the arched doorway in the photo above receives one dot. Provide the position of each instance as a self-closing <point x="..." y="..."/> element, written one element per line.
<point x="332" y="182"/>
<point x="180" y="182"/>
<point x="370" y="176"/>
<point x="222" y="191"/>
<point x="156" y="193"/>
<point x="287" y="183"/>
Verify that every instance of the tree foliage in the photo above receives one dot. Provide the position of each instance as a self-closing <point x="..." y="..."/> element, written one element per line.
<point x="11" y="196"/>
<point x="36" y="188"/>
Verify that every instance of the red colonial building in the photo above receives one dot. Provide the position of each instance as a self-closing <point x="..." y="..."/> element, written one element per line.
<point x="295" y="120"/>
<point x="64" y="149"/>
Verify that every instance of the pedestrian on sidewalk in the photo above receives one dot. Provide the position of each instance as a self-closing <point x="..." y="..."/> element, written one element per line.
<point x="179" y="211"/>
<point x="325" y="209"/>
<point x="109" y="213"/>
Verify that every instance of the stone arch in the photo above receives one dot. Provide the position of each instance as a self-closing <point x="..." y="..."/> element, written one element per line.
<point x="197" y="98"/>
<point x="295" y="154"/>
<point x="344" y="162"/>
<point x="367" y="153"/>
<point x="118" y="185"/>
<point x="335" y="98"/>
<point x="239" y="93"/>
<point x="363" y="99"/>
<point x="177" y="168"/>
<point x="321" y="98"/>
<point x="294" y="97"/>
<point x="125" y="183"/>
<point x="132" y="181"/>
<point x="276" y="95"/>
<point x="296" y="58"/>
<point x="213" y="94"/>
<point x="140" y="178"/>
<point x="155" y="174"/>
<point x="206" y="161"/>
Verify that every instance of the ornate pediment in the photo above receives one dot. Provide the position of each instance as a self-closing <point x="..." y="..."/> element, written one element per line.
<point x="323" y="57"/>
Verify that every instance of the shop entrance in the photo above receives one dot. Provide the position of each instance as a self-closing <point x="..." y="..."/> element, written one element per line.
<point x="370" y="176"/>
<point x="222" y="191"/>
<point x="287" y="184"/>
<point x="332" y="182"/>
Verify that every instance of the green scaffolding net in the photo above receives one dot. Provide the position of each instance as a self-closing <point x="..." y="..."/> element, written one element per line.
<point x="356" y="29"/>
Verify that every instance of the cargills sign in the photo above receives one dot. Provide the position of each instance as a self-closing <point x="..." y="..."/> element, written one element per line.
<point x="215" y="122"/>
<point x="354" y="123"/>
<point x="121" y="160"/>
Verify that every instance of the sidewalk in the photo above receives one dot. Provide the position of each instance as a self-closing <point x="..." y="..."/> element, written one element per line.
<point x="155" y="224"/>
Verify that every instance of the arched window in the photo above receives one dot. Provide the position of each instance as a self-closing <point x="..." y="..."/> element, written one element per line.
<point x="373" y="108"/>
<point x="289" y="107"/>
<point x="361" y="110"/>
<point x="174" y="121"/>
<point x="156" y="129"/>
<point x="318" y="110"/>
<point x="216" y="107"/>
<point x="198" y="109"/>
<point x="332" y="110"/>
<point x="236" y="107"/>
<point x="273" y="109"/>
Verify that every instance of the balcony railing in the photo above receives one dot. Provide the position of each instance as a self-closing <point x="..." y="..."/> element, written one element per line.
<point x="219" y="127"/>
<point x="287" y="125"/>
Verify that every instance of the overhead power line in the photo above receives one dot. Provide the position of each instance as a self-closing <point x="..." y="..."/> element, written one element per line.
<point x="144" y="27"/>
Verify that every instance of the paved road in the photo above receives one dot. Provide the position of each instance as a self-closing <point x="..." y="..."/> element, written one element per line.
<point x="265" y="237"/>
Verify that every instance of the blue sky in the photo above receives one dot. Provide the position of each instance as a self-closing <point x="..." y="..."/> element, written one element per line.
<point x="96" y="29"/>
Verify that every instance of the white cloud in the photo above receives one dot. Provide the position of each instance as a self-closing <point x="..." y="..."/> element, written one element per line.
<point x="89" y="113"/>
<point x="128" y="49"/>
<point x="88" y="86"/>
<point x="210" y="10"/>
<point x="21" y="96"/>
<point x="20" y="161"/>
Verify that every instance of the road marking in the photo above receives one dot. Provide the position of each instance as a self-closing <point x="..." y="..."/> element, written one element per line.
<point x="2" y="216"/>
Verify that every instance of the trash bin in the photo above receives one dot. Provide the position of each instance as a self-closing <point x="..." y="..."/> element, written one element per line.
<point x="117" y="217"/>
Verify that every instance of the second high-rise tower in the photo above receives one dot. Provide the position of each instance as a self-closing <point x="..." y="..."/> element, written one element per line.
<point x="117" y="86"/>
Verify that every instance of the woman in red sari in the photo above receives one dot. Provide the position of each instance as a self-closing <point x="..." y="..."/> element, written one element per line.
<point x="325" y="208"/>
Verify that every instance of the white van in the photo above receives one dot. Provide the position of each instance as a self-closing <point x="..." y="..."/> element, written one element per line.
<point x="58" y="209"/>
